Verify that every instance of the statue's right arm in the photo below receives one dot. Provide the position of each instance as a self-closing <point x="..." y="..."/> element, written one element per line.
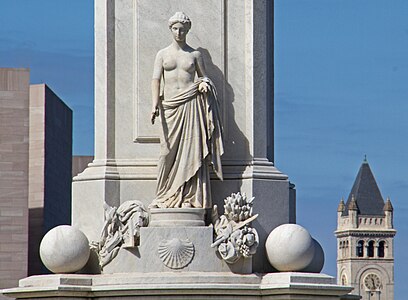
<point x="155" y="94"/>
<point x="157" y="73"/>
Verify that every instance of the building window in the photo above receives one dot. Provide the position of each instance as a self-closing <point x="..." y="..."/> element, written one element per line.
<point x="381" y="247"/>
<point x="343" y="280"/>
<point x="370" y="249"/>
<point x="360" y="248"/>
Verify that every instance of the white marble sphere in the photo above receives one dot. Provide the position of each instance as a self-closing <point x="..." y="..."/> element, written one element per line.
<point x="64" y="249"/>
<point x="317" y="263"/>
<point x="289" y="248"/>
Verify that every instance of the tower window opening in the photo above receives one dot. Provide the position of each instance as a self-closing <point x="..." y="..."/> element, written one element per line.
<point x="360" y="248"/>
<point x="381" y="247"/>
<point x="343" y="280"/>
<point x="370" y="249"/>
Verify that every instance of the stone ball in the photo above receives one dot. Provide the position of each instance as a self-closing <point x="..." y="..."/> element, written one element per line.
<point x="317" y="263"/>
<point x="64" y="249"/>
<point x="289" y="248"/>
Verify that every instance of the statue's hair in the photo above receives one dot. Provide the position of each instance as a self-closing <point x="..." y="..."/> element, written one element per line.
<point x="180" y="17"/>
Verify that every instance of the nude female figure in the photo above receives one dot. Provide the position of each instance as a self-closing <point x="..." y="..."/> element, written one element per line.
<point x="191" y="139"/>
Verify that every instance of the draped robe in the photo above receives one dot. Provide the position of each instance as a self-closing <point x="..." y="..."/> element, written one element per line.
<point x="191" y="142"/>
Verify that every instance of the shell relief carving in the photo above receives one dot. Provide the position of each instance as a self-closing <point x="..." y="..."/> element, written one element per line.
<point x="176" y="253"/>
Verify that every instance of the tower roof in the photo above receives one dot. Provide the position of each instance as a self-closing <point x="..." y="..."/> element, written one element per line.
<point x="341" y="206"/>
<point x="352" y="204"/>
<point x="366" y="193"/>
<point x="388" y="205"/>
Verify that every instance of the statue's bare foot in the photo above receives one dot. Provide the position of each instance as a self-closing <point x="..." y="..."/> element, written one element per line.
<point x="186" y="205"/>
<point x="153" y="205"/>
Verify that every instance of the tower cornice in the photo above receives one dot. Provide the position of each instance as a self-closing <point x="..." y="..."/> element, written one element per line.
<point x="366" y="259"/>
<point x="362" y="232"/>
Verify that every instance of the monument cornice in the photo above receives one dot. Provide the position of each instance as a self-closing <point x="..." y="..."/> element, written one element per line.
<point x="136" y="169"/>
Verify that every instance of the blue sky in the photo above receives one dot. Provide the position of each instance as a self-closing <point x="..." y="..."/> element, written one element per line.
<point x="341" y="91"/>
<point x="54" y="38"/>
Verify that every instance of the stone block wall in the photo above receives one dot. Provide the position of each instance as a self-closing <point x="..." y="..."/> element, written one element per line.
<point x="14" y="146"/>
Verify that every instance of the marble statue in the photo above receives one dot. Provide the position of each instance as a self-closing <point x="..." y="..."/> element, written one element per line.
<point x="192" y="135"/>
<point x="235" y="238"/>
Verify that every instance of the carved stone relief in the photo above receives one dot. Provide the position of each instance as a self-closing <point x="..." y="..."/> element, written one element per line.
<point x="176" y="253"/>
<point x="235" y="238"/>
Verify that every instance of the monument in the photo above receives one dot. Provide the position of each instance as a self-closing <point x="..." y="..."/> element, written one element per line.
<point x="238" y="57"/>
<point x="169" y="228"/>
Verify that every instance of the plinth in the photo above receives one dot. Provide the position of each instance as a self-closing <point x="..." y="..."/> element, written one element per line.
<point x="175" y="240"/>
<point x="182" y="285"/>
<point x="176" y="217"/>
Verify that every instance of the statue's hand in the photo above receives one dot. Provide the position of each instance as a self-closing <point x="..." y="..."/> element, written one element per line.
<point x="203" y="87"/>
<point x="155" y="113"/>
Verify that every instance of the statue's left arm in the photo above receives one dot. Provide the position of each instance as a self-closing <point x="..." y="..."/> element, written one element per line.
<point x="203" y="86"/>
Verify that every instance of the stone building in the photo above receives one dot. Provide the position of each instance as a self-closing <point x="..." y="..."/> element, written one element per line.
<point x="365" y="239"/>
<point x="35" y="171"/>
<point x="14" y="144"/>
<point x="50" y="160"/>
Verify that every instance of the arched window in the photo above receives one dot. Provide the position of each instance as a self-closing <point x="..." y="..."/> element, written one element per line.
<point x="370" y="249"/>
<point x="360" y="248"/>
<point x="381" y="247"/>
<point x="343" y="280"/>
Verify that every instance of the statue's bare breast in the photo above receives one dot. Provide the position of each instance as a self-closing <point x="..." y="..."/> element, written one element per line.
<point x="179" y="71"/>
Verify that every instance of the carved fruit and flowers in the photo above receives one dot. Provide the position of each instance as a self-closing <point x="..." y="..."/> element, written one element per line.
<point x="235" y="238"/>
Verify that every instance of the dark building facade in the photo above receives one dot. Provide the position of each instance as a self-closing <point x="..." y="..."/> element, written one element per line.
<point x="50" y="168"/>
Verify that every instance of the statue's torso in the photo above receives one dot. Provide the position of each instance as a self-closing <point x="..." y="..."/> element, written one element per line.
<point x="179" y="67"/>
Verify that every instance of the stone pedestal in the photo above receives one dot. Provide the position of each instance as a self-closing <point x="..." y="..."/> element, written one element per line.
<point x="176" y="240"/>
<point x="155" y="243"/>
<point x="182" y="285"/>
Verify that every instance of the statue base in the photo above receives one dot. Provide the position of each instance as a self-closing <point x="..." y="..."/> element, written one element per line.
<point x="181" y="285"/>
<point x="176" y="217"/>
<point x="167" y="249"/>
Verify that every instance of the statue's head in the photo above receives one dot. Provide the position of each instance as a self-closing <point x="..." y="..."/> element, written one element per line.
<point x="180" y="17"/>
<point x="179" y="25"/>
